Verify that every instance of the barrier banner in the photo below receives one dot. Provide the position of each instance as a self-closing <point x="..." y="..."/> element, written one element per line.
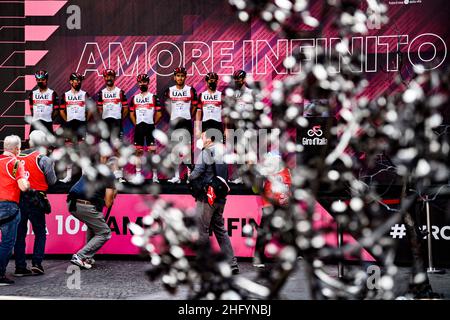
<point x="154" y="37"/>
<point x="66" y="234"/>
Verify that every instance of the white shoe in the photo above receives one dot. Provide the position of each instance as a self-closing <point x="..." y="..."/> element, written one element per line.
<point x="155" y="176"/>
<point x="137" y="179"/>
<point x="82" y="263"/>
<point x="258" y="264"/>
<point x="174" y="180"/>
<point x="66" y="179"/>
<point x="188" y="174"/>
<point x="122" y="180"/>
<point x="237" y="181"/>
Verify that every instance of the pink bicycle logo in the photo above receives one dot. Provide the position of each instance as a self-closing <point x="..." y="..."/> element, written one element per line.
<point x="315" y="131"/>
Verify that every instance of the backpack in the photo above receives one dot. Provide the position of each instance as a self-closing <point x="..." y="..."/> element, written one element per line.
<point x="197" y="188"/>
<point x="217" y="187"/>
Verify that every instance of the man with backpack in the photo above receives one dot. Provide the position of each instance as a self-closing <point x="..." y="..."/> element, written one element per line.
<point x="34" y="205"/>
<point x="86" y="200"/>
<point x="209" y="179"/>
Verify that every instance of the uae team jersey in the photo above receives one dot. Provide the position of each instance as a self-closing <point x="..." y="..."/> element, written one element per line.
<point x="181" y="101"/>
<point x="211" y="105"/>
<point x="244" y="98"/>
<point x="43" y="104"/>
<point x="75" y="105"/>
<point x="112" y="101"/>
<point x="144" y="107"/>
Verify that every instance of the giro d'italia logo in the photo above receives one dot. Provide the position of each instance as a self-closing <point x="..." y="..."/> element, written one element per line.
<point x="315" y="134"/>
<point x="315" y="131"/>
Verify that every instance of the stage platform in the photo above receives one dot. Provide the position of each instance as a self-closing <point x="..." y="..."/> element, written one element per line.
<point x="66" y="235"/>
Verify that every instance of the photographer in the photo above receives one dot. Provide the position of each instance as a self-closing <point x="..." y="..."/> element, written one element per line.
<point x="86" y="200"/>
<point x="34" y="204"/>
<point x="211" y="215"/>
<point x="13" y="180"/>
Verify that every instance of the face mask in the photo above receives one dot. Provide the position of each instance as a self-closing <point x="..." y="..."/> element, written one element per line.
<point x="77" y="87"/>
<point x="212" y="85"/>
<point x="238" y="85"/>
<point x="143" y="88"/>
<point x="41" y="85"/>
<point x="109" y="83"/>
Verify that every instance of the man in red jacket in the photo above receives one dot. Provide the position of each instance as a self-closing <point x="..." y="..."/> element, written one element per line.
<point x="40" y="171"/>
<point x="13" y="180"/>
<point x="276" y="194"/>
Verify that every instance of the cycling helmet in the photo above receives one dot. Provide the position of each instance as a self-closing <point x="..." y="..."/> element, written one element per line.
<point x="211" y="75"/>
<point x="179" y="70"/>
<point x="143" y="77"/>
<point x="41" y="74"/>
<point x="109" y="72"/>
<point x="76" y="76"/>
<point x="239" y="74"/>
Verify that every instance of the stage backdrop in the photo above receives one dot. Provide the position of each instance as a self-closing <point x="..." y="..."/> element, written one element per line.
<point x="203" y="35"/>
<point x="66" y="235"/>
<point x="155" y="36"/>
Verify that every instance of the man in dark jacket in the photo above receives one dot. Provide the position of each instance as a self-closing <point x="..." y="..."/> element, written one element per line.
<point x="86" y="200"/>
<point x="212" y="216"/>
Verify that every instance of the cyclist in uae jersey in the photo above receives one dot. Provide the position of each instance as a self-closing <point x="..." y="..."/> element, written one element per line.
<point x="210" y="104"/>
<point x="145" y="112"/>
<point x="181" y="101"/>
<point x="75" y="112"/>
<point x="43" y="103"/>
<point x="74" y="108"/>
<point x="112" y="104"/>
<point x="244" y="104"/>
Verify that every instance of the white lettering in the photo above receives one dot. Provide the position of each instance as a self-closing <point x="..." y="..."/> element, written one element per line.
<point x="90" y="59"/>
<point x="119" y="61"/>
<point x="419" y="52"/>
<point x="196" y="54"/>
<point x="201" y="57"/>
<point x="175" y="58"/>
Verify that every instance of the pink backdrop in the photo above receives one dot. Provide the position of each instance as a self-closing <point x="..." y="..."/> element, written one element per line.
<point x="66" y="234"/>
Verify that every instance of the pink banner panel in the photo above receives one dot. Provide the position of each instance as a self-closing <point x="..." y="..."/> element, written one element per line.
<point x="32" y="57"/>
<point x="66" y="234"/>
<point x="43" y="8"/>
<point x="39" y="33"/>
